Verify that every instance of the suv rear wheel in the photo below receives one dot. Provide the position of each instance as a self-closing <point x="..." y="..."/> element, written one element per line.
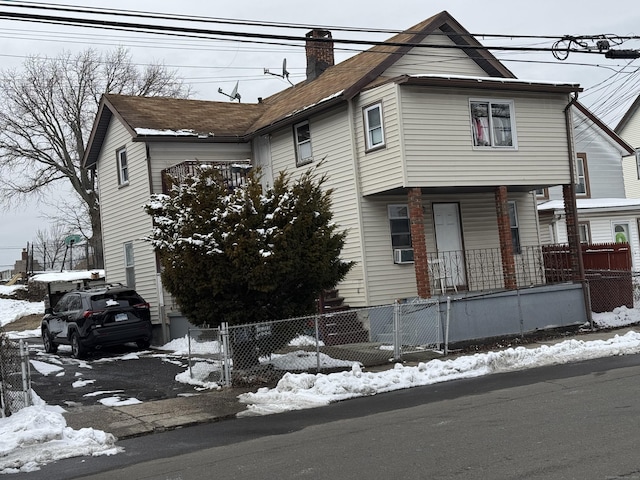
<point x="77" y="350"/>
<point x="47" y="341"/>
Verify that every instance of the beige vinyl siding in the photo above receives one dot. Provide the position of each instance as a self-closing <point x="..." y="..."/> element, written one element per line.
<point x="630" y="173"/>
<point x="631" y="131"/>
<point x="381" y="168"/>
<point x="123" y="217"/>
<point x="167" y="154"/>
<point x="424" y="61"/>
<point x="331" y="141"/>
<point x="439" y="147"/>
<point x="388" y="281"/>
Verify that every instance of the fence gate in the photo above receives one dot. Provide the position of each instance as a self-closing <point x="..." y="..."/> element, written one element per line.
<point x="208" y="355"/>
<point x="417" y="326"/>
<point x="15" y="376"/>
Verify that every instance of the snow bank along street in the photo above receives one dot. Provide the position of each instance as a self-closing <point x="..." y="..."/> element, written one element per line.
<point x="38" y="435"/>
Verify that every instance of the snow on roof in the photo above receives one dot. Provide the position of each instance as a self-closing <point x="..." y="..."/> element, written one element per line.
<point x="171" y="133"/>
<point x="67" y="276"/>
<point x="494" y="79"/>
<point x="593" y="203"/>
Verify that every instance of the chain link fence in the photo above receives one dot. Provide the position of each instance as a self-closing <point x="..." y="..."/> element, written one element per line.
<point x="264" y="352"/>
<point x="15" y="376"/>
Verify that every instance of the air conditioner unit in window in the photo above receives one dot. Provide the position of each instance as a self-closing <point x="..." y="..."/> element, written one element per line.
<point x="403" y="255"/>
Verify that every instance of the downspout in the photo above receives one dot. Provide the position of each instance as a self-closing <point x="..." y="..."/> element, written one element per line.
<point x="574" y="207"/>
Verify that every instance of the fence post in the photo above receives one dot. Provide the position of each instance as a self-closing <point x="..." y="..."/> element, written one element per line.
<point x="446" y="328"/>
<point x="26" y="382"/>
<point x="317" y="333"/>
<point x="224" y="333"/>
<point x="397" y="334"/>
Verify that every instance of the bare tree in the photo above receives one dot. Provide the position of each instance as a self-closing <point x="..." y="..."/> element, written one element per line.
<point x="49" y="246"/>
<point x="46" y="113"/>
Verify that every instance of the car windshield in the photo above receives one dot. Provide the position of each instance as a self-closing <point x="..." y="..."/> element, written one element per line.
<point x="122" y="299"/>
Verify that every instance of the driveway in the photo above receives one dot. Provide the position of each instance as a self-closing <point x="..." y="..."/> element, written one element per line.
<point x="110" y="376"/>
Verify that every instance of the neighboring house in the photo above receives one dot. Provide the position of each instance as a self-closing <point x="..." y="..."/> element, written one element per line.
<point x="431" y="146"/>
<point x="605" y="214"/>
<point x="628" y="128"/>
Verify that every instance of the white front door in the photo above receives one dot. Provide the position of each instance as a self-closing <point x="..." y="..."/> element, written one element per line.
<point x="449" y="245"/>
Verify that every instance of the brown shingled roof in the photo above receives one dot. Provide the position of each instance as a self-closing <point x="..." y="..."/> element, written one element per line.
<point x="356" y="73"/>
<point x="222" y="119"/>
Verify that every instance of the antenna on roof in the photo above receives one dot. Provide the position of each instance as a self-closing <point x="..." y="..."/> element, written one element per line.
<point x="284" y="74"/>
<point x="234" y="94"/>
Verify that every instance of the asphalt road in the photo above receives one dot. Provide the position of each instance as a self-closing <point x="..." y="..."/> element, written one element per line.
<point x="577" y="421"/>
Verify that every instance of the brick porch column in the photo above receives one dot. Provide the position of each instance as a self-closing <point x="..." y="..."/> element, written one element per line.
<point x="419" y="242"/>
<point x="504" y="234"/>
<point x="571" y="218"/>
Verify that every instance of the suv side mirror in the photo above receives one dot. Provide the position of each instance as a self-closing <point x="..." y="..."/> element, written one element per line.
<point x="48" y="311"/>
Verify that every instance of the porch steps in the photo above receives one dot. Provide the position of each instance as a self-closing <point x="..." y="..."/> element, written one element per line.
<point x="339" y="325"/>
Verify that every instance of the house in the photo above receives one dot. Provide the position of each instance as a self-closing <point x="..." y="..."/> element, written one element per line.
<point x="605" y="213"/>
<point x="628" y="128"/>
<point x="431" y="145"/>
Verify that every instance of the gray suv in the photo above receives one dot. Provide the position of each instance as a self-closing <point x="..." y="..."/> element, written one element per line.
<point x="96" y="317"/>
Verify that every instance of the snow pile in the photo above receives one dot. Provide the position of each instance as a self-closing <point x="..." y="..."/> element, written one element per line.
<point x="304" y="390"/>
<point x="39" y="434"/>
<point x="619" y="317"/>
<point x="199" y="375"/>
<point x="301" y="360"/>
<point x="180" y="346"/>
<point x="305" y="341"/>
<point x="12" y="310"/>
<point x="10" y="289"/>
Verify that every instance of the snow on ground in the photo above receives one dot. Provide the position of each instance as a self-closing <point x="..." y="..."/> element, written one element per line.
<point x="38" y="435"/>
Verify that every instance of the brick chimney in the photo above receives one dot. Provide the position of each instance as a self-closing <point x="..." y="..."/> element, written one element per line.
<point x="319" y="53"/>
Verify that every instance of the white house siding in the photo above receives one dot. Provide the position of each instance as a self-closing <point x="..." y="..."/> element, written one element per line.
<point x="631" y="131"/>
<point x="123" y="216"/>
<point x="380" y="168"/>
<point x="439" y="147"/>
<point x="167" y="154"/>
<point x="331" y="141"/>
<point x="421" y="60"/>
<point x="631" y="180"/>
<point x="604" y="165"/>
<point x="388" y="281"/>
<point x="600" y="227"/>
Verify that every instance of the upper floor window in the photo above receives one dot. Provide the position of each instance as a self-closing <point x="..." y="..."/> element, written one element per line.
<point x="515" y="227"/>
<point x="542" y="193"/>
<point x="373" y="127"/>
<point x="582" y="176"/>
<point x="302" y="140"/>
<point x="123" y="167"/>
<point x="492" y="123"/>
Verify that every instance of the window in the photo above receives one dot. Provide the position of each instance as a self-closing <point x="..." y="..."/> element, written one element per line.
<point x="492" y="123"/>
<point x="621" y="232"/>
<point x="584" y="232"/>
<point x="638" y="162"/>
<point x="129" y="265"/>
<point x="302" y="138"/>
<point x="373" y="126"/>
<point x="582" y="177"/>
<point x="400" y="233"/>
<point x="515" y="230"/>
<point x="123" y="167"/>
<point x="542" y="193"/>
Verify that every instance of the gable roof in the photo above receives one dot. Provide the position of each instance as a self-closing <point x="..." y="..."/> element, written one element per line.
<point x="346" y="79"/>
<point x="613" y="136"/>
<point x="628" y="115"/>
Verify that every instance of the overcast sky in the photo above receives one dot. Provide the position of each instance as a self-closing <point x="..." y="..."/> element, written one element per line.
<point x="610" y="85"/>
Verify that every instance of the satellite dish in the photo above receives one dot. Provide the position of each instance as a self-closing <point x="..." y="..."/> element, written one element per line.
<point x="234" y="92"/>
<point x="285" y="74"/>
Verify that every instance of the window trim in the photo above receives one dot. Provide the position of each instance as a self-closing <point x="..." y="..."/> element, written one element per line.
<point x="120" y="169"/>
<point x="512" y="121"/>
<point x="542" y="196"/>
<point x="587" y="230"/>
<point x="300" y="161"/>
<point x="638" y="162"/>
<point x="514" y="226"/>
<point x="587" y="190"/>
<point x="369" y="147"/>
<point x="129" y="265"/>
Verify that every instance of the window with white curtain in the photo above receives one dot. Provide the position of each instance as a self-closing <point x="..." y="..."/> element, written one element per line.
<point x="302" y="139"/>
<point x="492" y="123"/>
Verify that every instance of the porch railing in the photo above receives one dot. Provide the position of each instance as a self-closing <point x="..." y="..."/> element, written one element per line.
<point x="480" y="270"/>
<point x="234" y="173"/>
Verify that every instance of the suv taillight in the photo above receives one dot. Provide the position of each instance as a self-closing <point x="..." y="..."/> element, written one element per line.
<point x="88" y="313"/>
<point x="142" y="305"/>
